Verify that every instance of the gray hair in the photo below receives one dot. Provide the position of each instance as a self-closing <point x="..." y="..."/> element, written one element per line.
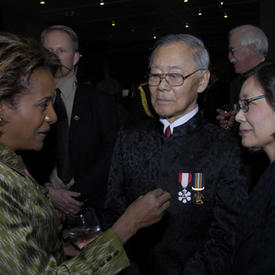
<point x="72" y="34"/>
<point x="200" y="53"/>
<point x="252" y="35"/>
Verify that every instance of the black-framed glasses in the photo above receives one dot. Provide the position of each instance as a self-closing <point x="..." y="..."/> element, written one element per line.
<point x="173" y="79"/>
<point x="243" y="104"/>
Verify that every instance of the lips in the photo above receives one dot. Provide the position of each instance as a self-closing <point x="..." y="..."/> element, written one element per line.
<point x="43" y="134"/>
<point x="244" y="132"/>
<point x="163" y="100"/>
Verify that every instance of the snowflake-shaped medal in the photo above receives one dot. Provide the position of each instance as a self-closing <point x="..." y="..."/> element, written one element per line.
<point x="184" y="179"/>
<point x="184" y="196"/>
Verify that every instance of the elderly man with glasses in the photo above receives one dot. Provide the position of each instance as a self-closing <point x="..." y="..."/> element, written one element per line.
<point x="247" y="50"/>
<point x="197" y="162"/>
<point x="248" y="47"/>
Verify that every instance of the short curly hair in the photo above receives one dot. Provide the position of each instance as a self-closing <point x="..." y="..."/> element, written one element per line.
<point x="19" y="58"/>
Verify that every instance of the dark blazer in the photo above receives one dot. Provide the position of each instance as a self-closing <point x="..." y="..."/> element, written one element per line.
<point x="93" y="130"/>
<point x="256" y="235"/>
<point x="191" y="238"/>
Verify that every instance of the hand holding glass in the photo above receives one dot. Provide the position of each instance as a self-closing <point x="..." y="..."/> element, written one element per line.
<point x="83" y="226"/>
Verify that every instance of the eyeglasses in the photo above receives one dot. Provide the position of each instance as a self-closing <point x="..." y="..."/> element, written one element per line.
<point x="232" y="50"/>
<point x="173" y="79"/>
<point x="243" y="104"/>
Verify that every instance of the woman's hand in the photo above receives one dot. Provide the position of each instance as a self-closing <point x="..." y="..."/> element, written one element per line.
<point x="144" y="211"/>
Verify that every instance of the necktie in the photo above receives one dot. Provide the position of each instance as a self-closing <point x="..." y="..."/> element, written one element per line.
<point x="62" y="139"/>
<point x="168" y="132"/>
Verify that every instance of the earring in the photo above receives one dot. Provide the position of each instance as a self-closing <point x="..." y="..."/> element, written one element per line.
<point x="47" y="118"/>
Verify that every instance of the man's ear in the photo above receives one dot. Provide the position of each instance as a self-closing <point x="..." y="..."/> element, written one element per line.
<point x="252" y="47"/>
<point x="204" y="80"/>
<point x="76" y="57"/>
<point x="253" y="51"/>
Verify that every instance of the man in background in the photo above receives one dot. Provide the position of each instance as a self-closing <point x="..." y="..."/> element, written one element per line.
<point x="76" y="171"/>
<point x="248" y="47"/>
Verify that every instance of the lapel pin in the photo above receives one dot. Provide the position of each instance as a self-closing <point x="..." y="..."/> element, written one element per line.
<point x="76" y="117"/>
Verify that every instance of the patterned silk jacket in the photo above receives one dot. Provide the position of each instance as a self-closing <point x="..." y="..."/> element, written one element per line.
<point x="30" y="230"/>
<point x="200" y="166"/>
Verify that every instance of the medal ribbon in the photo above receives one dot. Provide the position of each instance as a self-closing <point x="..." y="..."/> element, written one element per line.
<point x="185" y="179"/>
<point x="198" y="181"/>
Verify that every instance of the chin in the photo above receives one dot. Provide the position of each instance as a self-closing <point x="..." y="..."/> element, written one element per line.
<point x="37" y="147"/>
<point x="248" y="144"/>
<point x="162" y="112"/>
<point x="164" y="115"/>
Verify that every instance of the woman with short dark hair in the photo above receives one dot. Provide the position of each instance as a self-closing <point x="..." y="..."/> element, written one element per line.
<point x="256" y="247"/>
<point x="30" y="228"/>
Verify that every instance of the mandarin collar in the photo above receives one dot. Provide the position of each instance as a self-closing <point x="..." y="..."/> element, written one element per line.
<point x="183" y="129"/>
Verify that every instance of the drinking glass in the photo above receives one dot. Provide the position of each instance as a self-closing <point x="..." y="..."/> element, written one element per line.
<point x="83" y="226"/>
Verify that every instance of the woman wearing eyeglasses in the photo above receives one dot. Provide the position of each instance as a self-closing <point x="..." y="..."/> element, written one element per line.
<point x="256" y="237"/>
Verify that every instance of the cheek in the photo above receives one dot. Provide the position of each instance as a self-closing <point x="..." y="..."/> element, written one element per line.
<point x="263" y="125"/>
<point x="153" y="93"/>
<point x="64" y="59"/>
<point x="34" y="119"/>
<point x="254" y="120"/>
<point x="69" y="58"/>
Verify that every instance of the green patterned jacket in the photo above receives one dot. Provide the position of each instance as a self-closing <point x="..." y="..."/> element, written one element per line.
<point x="30" y="230"/>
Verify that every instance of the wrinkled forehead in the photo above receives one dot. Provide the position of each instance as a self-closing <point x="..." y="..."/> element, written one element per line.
<point x="173" y="55"/>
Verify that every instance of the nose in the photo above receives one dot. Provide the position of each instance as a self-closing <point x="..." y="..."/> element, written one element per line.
<point x="51" y="50"/>
<point x="51" y="116"/>
<point x="163" y="84"/>
<point x="240" y="116"/>
<point x="56" y="52"/>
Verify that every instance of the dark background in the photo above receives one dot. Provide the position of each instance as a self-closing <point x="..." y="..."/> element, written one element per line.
<point x="124" y="49"/>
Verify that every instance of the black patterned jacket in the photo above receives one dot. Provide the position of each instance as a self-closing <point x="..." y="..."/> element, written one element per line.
<point x="191" y="238"/>
<point x="256" y="231"/>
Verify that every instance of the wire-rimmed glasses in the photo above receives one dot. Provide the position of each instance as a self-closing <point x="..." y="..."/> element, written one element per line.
<point x="173" y="79"/>
<point x="243" y="104"/>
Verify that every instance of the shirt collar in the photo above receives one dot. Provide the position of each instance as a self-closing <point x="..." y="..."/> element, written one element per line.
<point x="68" y="86"/>
<point x="179" y="121"/>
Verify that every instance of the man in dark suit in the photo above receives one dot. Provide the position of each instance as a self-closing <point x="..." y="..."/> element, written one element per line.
<point x="247" y="49"/>
<point x="198" y="163"/>
<point x="93" y="126"/>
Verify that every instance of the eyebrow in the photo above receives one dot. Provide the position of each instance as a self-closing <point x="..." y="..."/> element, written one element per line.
<point x="46" y="98"/>
<point x="154" y="66"/>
